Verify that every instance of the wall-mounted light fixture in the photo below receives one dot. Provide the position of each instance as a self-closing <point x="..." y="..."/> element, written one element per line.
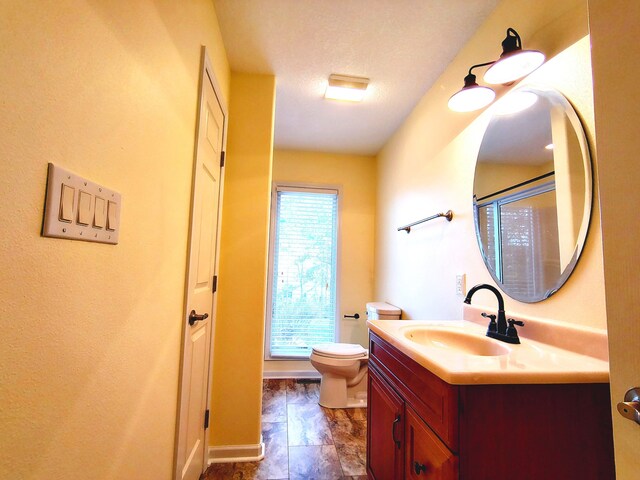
<point x="472" y="96"/>
<point x="513" y="64"/>
<point x="343" y="87"/>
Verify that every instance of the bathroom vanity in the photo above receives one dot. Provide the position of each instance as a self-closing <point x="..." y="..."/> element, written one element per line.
<point x="532" y="411"/>
<point x="446" y="402"/>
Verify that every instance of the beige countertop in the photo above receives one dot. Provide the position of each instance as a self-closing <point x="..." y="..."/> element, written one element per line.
<point x="530" y="362"/>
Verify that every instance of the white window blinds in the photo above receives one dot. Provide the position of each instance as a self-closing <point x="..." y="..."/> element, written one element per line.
<point x="304" y="264"/>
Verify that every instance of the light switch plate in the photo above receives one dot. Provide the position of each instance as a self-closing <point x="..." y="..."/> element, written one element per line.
<point x="95" y="230"/>
<point x="461" y="284"/>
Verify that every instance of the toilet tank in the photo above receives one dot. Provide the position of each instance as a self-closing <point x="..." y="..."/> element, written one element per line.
<point x="382" y="311"/>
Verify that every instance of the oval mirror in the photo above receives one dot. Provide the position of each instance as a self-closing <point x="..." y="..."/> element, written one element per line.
<point x="532" y="193"/>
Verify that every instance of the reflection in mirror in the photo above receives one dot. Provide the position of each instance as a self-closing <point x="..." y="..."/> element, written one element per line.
<point x="532" y="193"/>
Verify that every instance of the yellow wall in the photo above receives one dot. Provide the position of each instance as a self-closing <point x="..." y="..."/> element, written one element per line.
<point x="356" y="175"/>
<point x="238" y="348"/>
<point x="428" y="167"/>
<point x="615" y="73"/>
<point x="91" y="333"/>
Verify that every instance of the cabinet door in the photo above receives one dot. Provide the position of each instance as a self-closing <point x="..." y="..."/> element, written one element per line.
<point x="385" y="430"/>
<point x="426" y="456"/>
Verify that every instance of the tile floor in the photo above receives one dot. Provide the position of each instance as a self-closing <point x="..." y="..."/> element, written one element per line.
<point x="303" y="441"/>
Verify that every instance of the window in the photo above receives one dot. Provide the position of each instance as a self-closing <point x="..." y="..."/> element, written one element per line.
<point x="302" y="302"/>
<point x="510" y="226"/>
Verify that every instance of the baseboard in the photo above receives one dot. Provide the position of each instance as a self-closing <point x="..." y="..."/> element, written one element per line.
<point x="291" y="374"/>
<point x="236" y="453"/>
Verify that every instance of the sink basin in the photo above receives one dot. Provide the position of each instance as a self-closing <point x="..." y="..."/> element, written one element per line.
<point x="455" y="341"/>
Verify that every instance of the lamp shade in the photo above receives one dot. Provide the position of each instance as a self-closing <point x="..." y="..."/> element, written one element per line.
<point x="471" y="97"/>
<point x="514" y="63"/>
<point x="513" y="66"/>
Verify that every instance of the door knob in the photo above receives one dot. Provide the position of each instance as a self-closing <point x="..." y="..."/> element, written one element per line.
<point x="194" y="317"/>
<point x="630" y="408"/>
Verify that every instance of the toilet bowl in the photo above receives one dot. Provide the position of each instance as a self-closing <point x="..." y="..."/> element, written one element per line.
<point x="343" y="367"/>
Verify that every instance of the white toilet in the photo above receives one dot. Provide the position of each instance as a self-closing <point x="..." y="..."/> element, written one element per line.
<point x="343" y="366"/>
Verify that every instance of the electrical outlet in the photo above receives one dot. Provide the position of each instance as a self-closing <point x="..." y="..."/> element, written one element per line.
<point x="461" y="281"/>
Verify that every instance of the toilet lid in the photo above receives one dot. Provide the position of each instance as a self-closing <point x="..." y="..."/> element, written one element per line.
<point x="341" y="350"/>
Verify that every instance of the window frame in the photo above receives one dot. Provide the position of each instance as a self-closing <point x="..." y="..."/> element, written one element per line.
<point x="496" y="205"/>
<point x="305" y="188"/>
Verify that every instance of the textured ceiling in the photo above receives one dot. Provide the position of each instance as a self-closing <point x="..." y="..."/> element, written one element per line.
<point x="401" y="45"/>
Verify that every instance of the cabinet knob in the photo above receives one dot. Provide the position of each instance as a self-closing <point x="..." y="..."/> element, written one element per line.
<point x="419" y="468"/>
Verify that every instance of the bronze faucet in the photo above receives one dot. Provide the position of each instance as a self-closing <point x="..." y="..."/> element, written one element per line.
<point x="498" y="330"/>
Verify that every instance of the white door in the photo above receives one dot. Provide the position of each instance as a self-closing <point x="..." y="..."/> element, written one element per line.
<point x="615" y="72"/>
<point x="199" y="318"/>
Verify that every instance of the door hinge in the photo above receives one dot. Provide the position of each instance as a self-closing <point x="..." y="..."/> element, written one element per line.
<point x="206" y="419"/>
<point x="214" y="284"/>
<point x="222" y="154"/>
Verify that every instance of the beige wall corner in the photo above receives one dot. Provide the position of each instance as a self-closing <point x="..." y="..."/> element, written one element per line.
<point x="239" y="335"/>
<point x="91" y="333"/>
<point x="356" y="177"/>
<point x="615" y="74"/>
<point x="428" y="167"/>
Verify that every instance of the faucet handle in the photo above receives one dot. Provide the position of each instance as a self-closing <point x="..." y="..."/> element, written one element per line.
<point x="511" y="329"/>
<point x="513" y="322"/>
<point x="493" y="326"/>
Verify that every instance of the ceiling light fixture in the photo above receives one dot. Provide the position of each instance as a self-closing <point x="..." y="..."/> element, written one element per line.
<point x="513" y="64"/>
<point x="343" y="87"/>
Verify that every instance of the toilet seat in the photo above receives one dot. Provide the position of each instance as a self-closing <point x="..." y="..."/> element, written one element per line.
<point x="340" y="350"/>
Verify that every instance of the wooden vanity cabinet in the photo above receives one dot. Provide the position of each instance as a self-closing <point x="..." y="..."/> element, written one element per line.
<point x="400" y="444"/>
<point x="420" y="427"/>
<point x="385" y="442"/>
<point x="425" y="455"/>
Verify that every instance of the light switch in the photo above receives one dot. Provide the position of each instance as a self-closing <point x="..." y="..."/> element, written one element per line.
<point x="84" y="208"/>
<point x="77" y="208"/>
<point x="99" y="215"/>
<point x="66" y="203"/>
<point x="111" y="216"/>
